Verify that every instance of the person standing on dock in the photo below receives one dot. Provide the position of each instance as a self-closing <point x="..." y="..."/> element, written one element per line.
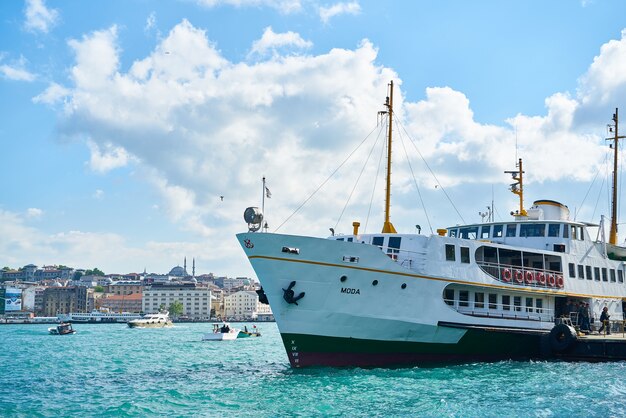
<point x="583" y="317"/>
<point x="604" y="318"/>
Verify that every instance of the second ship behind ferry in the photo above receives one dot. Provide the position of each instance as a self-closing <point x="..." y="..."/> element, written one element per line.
<point x="478" y="292"/>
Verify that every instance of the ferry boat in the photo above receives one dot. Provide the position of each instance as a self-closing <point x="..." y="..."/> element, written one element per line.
<point x="99" y="316"/>
<point x="478" y="292"/>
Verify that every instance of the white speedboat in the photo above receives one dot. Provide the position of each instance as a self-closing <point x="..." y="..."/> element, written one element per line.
<point x="221" y="332"/>
<point x="155" y="320"/>
<point x="64" y="328"/>
<point x="490" y="291"/>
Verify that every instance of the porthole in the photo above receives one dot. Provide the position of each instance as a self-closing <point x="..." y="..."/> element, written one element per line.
<point x="375" y="282"/>
<point x="343" y="278"/>
<point x="403" y="285"/>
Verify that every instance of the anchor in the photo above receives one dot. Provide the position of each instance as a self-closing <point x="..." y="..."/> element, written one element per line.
<point x="288" y="294"/>
<point x="262" y="296"/>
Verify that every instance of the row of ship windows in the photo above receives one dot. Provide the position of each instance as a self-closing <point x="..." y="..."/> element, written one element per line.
<point x="494" y="301"/>
<point x="451" y="253"/>
<point x="595" y="273"/>
<point x="524" y="230"/>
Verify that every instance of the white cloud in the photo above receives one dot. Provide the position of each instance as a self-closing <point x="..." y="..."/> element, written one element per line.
<point x="98" y="194"/>
<point x="150" y="22"/>
<point x="271" y="41"/>
<point x="106" y="157"/>
<point x="34" y="213"/>
<point x="326" y="13"/>
<point x="200" y="126"/>
<point x="16" y="71"/>
<point x="53" y="94"/>
<point x="283" y="6"/>
<point x="38" y="17"/>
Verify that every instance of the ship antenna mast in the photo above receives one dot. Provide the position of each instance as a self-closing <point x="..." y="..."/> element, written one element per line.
<point x="615" y="139"/>
<point x="388" y="226"/>
<point x="518" y="188"/>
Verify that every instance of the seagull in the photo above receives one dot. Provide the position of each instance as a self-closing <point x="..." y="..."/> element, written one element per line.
<point x="222" y="198"/>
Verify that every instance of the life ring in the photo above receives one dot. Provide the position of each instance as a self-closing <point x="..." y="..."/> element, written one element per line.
<point x="519" y="276"/>
<point x="529" y="277"/>
<point x="559" y="282"/>
<point x="541" y="278"/>
<point x="506" y="275"/>
<point x="562" y="337"/>
<point x="551" y="281"/>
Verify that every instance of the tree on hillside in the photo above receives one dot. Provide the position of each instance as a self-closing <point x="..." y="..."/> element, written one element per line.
<point x="77" y="275"/>
<point x="98" y="289"/>
<point x="95" y="272"/>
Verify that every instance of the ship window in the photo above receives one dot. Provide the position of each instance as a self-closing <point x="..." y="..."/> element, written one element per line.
<point x="581" y="271"/>
<point x="510" y="230"/>
<point x="613" y="275"/>
<point x="553" y="230"/>
<point x="463" y="298"/>
<point x="479" y="300"/>
<point x="581" y="233"/>
<point x="529" y="304"/>
<point x="596" y="273"/>
<point x="484" y="232"/>
<point x="574" y="230"/>
<point x="532" y="230"/>
<point x="469" y="233"/>
<point x="565" y="231"/>
<point x="448" y="296"/>
<point x="378" y="241"/>
<point x="350" y="239"/>
<point x="493" y="301"/>
<point x="517" y="303"/>
<point x="605" y="277"/>
<point x="588" y="272"/>
<point x="452" y="233"/>
<point x="339" y="239"/>
<point x="394" y="242"/>
<point x="539" y="305"/>
<point x="620" y="276"/>
<point x="497" y="231"/>
<point x="465" y="256"/>
<point x="450" y="252"/>
<point x="572" y="270"/>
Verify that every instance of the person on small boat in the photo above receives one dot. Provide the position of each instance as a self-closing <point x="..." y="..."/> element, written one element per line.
<point x="604" y="319"/>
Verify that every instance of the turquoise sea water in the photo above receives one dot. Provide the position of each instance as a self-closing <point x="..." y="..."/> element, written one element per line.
<point x="111" y="370"/>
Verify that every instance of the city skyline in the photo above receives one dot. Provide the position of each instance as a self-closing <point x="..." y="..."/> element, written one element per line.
<point x="138" y="132"/>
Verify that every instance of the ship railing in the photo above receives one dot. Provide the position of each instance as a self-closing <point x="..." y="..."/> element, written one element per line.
<point x="503" y="311"/>
<point x="497" y="270"/>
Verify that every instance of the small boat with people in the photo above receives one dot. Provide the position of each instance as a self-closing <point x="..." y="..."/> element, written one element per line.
<point x="154" y="320"/>
<point x="221" y="332"/>
<point x="64" y="328"/>
<point x="244" y="333"/>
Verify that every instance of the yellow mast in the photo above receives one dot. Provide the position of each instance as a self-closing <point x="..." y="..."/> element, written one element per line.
<point x="388" y="226"/>
<point x="518" y="187"/>
<point x="615" y="139"/>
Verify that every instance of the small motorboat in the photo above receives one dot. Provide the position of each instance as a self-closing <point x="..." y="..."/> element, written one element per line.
<point x="221" y="332"/>
<point x="245" y="333"/>
<point x="64" y="328"/>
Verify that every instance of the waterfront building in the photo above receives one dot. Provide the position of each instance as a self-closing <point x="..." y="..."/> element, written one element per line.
<point x="125" y="287"/>
<point x="245" y="305"/>
<point x="63" y="300"/>
<point x="122" y="303"/>
<point x="196" y="300"/>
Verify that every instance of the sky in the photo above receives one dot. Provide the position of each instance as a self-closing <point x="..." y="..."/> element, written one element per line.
<point x="135" y="133"/>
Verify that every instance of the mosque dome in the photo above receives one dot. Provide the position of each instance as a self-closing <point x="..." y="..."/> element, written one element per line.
<point x="178" y="271"/>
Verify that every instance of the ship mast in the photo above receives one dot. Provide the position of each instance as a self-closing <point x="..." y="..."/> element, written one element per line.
<point x="615" y="139"/>
<point x="388" y="226"/>
<point x="518" y="188"/>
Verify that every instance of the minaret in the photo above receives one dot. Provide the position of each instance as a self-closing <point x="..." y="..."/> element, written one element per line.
<point x="193" y="267"/>
<point x="185" y="265"/>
